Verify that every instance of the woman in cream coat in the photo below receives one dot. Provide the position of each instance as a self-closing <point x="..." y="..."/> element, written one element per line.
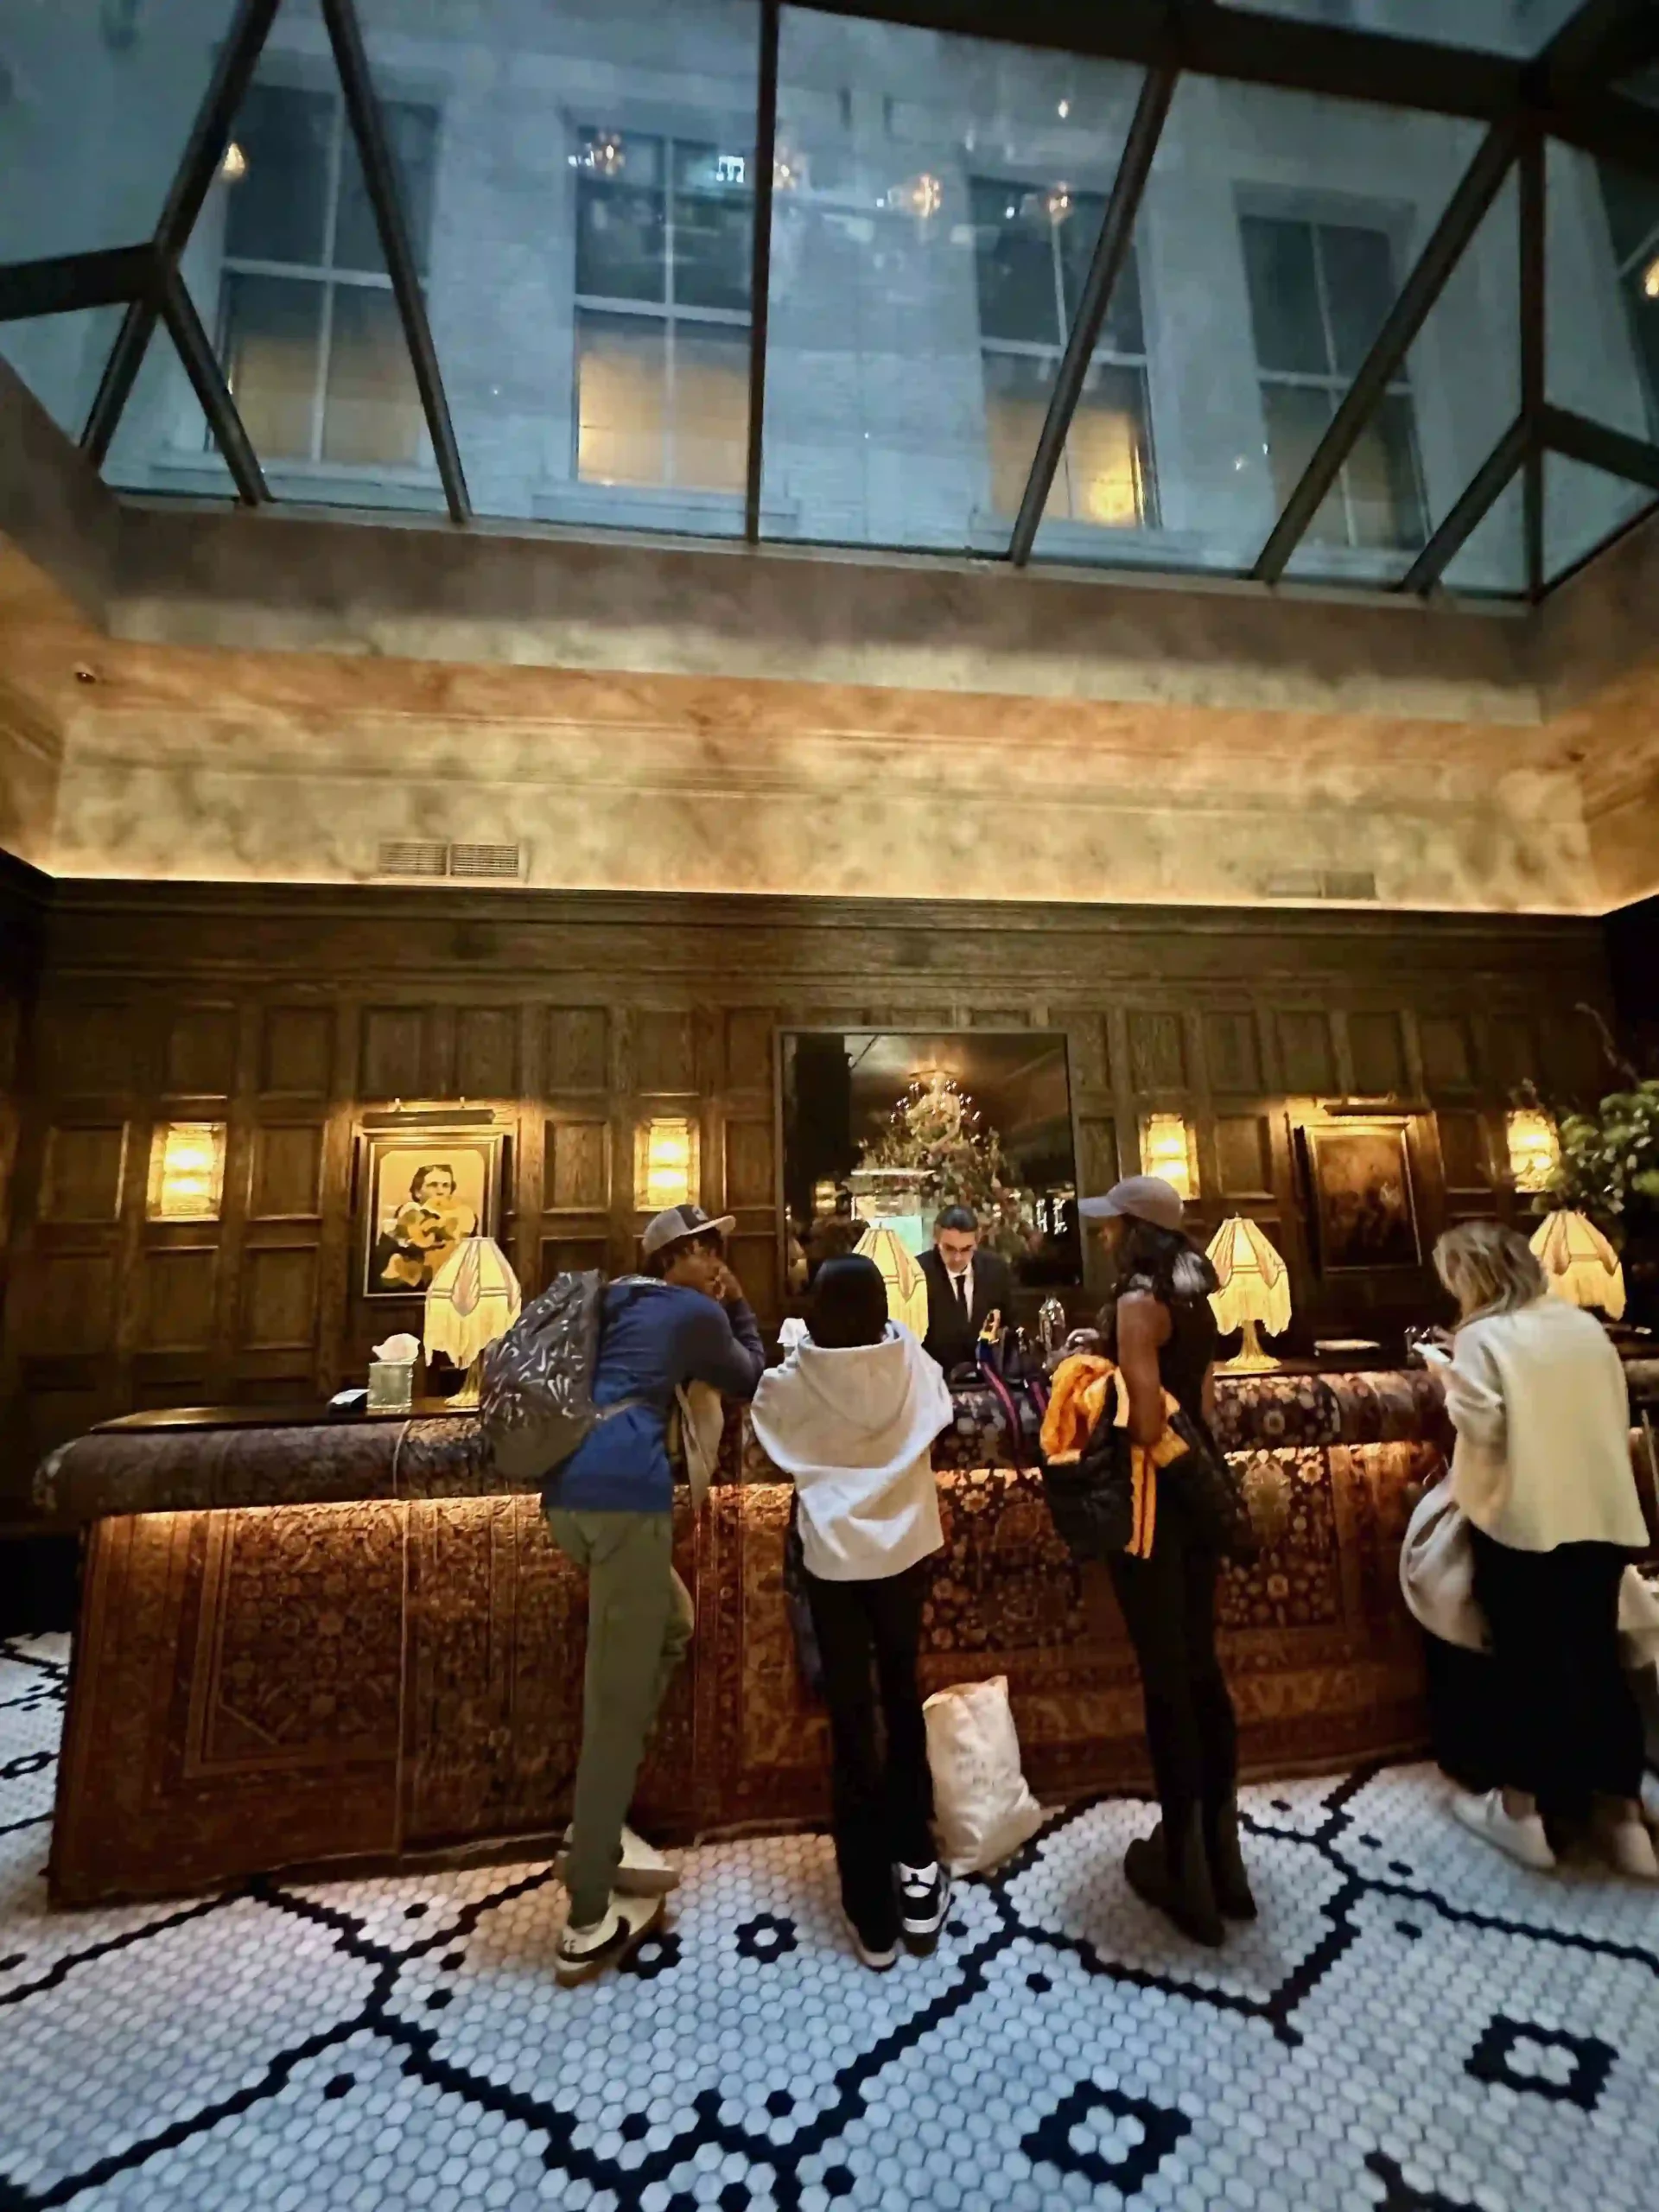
<point x="1542" y="1470"/>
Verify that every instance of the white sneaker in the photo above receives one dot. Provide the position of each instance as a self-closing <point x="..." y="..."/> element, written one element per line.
<point x="584" y="1952"/>
<point x="1628" y="1846"/>
<point x="878" y="1958"/>
<point x="1523" y="1840"/>
<point x="643" y="1871"/>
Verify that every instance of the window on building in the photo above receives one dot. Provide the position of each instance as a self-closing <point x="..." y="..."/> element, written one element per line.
<point x="309" y="334"/>
<point x="1033" y="247"/>
<point x="1632" y="205"/>
<point x="1320" y="293"/>
<point x="661" y="322"/>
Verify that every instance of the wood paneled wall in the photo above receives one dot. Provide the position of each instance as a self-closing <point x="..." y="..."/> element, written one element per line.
<point x="287" y="1012"/>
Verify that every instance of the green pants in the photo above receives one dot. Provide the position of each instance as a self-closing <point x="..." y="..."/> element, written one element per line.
<point x="638" y="1625"/>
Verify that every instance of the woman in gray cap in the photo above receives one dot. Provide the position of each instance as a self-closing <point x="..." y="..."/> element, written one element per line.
<point x="1161" y="1331"/>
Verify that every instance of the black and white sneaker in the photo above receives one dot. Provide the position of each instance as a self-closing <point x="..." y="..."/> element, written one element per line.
<point x="876" y="1956"/>
<point x="924" y="1900"/>
<point x="584" y="1952"/>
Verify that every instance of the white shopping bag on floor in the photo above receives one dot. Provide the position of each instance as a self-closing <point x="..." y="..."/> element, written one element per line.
<point x="983" y="1810"/>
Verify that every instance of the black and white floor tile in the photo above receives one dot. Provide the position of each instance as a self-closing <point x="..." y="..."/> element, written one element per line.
<point x="1412" y="2025"/>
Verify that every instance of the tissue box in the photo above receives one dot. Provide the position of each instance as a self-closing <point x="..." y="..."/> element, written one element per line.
<point x="391" y="1386"/>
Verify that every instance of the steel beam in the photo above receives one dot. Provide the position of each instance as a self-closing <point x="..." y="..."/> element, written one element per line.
<point x="69" y="282"/>
<point x="120" y="373"/>
<point x="1533" y="357"/>
<point x="1342" y="60"/>
<point x="1488" y="483"/>
<point x="201" y="366"/>
<point x="1575" y="437"/>
<point x="1112" y="249"/>
<point x="1463" y="216"/>
<point x="765" y="163"/>
<point x="238" y="57"/>
<point x="379" y="174"/>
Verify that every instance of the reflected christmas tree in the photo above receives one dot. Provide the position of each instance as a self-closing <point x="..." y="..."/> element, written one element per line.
<point x="936" y="1131"/>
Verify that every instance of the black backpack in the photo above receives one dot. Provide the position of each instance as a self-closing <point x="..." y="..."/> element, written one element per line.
<point x="535" y="1393"/>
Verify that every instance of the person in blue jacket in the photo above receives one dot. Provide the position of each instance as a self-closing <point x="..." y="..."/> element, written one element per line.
<point x="684" y="1319"/>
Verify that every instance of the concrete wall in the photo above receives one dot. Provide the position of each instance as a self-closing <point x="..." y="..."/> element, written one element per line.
<point x="876" y="406"/>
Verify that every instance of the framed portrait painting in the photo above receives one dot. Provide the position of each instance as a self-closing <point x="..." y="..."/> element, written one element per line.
<point x="1364" y="1208"/>
<point x="424" y="1190"/>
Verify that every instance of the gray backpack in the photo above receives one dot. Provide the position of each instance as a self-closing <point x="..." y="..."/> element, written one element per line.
<point x="536" y="1394"/>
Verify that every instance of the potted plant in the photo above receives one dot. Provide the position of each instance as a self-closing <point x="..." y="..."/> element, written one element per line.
<point x="1609" y="1171"/>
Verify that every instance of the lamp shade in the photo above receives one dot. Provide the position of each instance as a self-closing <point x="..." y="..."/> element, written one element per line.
<point x="1255" y="1280"/>
<point x="1579" y="1263"/>
<point x="907" y="1286"/>
<point x="475" y="1298"/>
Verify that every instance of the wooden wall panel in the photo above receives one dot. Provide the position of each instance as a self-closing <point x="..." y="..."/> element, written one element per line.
<point x="84" y="1173"/>
<point x="1307" y="1053"/>
<point x="287" y="1175"/>
<point x="199" y="1053"/>
<point x="1157" y="1052"/>
<point x="578" y="1170"/>
<point x="578" y="1048"/>
<point x="297" y="1051"/>
<point x="750" y="1173"/>
<point x="287" y="1012"/>
<point x="664" y="1060"/>
<point x="486" y="1053"/>
<point x="1232" y="1055"/>
<point x="1448" y="1052"/>
<point x="279" y="1306"/>
<point x="179" y="1299"/>
<point x="394" y="1052"/>
<point x="1377" y="1045"/>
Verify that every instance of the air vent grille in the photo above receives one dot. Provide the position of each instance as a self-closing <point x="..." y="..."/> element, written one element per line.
<point x="500" y="862"/>
<point x="411" y="857"/>
<point x="1348" y="886"/>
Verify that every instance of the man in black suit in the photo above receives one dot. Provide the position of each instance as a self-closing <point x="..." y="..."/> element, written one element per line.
<point x="964" y="1286"/>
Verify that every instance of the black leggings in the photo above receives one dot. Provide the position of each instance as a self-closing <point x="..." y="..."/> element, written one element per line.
<point x="1564" y="1713"/>
<point x="1168" y="1604"/>
<point x="868" y="1636"/>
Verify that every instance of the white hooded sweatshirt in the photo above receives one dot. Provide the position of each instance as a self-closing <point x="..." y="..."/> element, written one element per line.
<point x="854" y="1427"/>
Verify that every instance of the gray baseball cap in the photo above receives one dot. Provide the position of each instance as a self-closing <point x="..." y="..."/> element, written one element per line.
<point x="676" y="1222"/>
<point x="1142" y="1197"/>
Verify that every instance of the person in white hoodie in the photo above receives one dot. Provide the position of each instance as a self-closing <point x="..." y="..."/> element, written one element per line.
<point x="851" y="1416"/>
<point x="1543" y="1471"/>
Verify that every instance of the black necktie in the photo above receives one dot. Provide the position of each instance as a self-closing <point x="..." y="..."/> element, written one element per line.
<point x="961" y="1282"/>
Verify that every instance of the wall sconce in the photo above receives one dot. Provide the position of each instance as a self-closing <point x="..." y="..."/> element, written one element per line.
<point x="665" y="1164"/>
<point x="1166" y="1149"/>
<point x="186" y="1172"/>
<point x="1535" y="1148"/>
<point x="1580" y="1264"/>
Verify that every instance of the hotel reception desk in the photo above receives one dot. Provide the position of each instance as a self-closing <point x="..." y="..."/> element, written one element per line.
<point x="347" y="1640"/>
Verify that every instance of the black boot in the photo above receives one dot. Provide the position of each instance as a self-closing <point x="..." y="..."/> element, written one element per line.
<point x="1228" y="1879"/>
<point x="1177" y="1883"/>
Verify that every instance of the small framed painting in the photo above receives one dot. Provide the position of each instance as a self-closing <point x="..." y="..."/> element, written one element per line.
<point x="1364" y="1208"/>
<point x="424" y="1190"/>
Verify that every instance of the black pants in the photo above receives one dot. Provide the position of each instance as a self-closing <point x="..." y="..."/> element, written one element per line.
<point x="882" y="1791"/>
<point x="1168" y="1604"/>
<point x="1565" y="1716"/>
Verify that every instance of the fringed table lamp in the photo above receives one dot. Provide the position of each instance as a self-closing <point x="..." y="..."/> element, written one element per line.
<point x="475" y="1298"/>
<point x="1580" y="1264"/>
<point x="1255" y="1293"/>
<point x="907" y="1286"/>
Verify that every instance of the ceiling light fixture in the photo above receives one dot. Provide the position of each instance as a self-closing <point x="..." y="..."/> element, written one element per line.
<point x="1650" y="278"/>
<point x="1066" y="110"/>
<point x="234" y="167"/>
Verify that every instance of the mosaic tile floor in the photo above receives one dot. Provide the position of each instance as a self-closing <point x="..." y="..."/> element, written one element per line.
<point x="1412" y="2024"/>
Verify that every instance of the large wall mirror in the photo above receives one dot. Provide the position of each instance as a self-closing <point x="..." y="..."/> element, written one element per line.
<point x="885" y="1126"/>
